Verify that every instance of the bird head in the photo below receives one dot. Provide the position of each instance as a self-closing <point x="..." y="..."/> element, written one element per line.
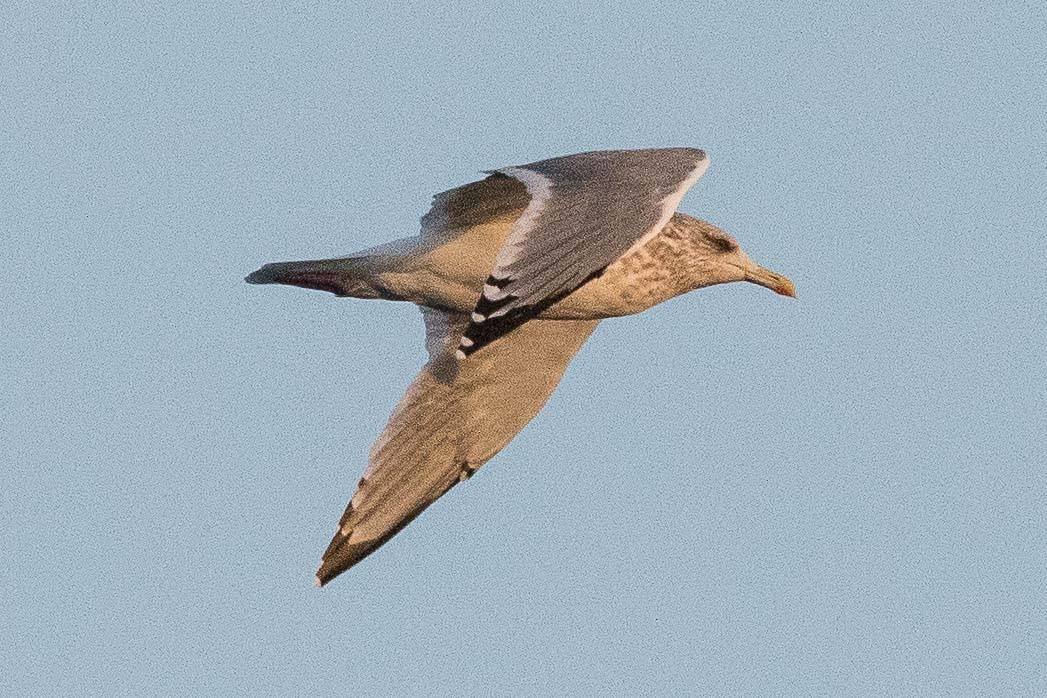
<point x="717" y="258"/>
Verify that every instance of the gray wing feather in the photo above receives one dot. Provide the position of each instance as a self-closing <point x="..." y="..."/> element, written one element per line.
<point x="473" y="204"/>
<point x="444" y="429"/>
<point x="585" y="212"/>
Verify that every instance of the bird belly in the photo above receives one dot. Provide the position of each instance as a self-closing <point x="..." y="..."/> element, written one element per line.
<point x="434" y="290"/>
<point x="449" y="275"/>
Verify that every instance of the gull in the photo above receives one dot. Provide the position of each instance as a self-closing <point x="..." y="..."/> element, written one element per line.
<point x="512" y="274"/>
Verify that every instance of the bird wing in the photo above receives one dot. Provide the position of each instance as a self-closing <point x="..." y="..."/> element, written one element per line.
<point x="585" y="211"/>
<point x="496" y="197"/>
<point x="448" y="424"/>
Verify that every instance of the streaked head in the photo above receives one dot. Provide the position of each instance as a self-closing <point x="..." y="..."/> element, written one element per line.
<point x="720" y="259"/>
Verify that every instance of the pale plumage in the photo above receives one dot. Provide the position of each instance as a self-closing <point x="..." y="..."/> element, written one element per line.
<point x="513" y="273"/>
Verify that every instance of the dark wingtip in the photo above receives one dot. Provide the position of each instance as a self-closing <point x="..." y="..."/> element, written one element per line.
<point x="340" y="556"/>
<point x="261" y="276"/>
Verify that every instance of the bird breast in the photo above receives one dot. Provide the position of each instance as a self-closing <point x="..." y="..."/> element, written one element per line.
<point x="643" y="277"/>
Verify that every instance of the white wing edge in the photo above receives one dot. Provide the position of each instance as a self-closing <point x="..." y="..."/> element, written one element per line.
<point x="540" y="188"/>
<point x="670" y="204"/>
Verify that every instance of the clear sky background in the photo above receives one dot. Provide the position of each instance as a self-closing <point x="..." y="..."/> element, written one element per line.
<point x="733" y="492"/>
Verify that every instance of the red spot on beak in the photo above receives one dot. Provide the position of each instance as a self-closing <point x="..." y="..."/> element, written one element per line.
<point x="786" y="288"/>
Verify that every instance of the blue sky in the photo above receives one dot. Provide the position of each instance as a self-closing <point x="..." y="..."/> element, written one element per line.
<point x="733" y="492"/>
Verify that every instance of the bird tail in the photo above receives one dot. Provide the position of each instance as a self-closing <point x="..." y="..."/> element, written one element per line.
<point x="355" y="277"/>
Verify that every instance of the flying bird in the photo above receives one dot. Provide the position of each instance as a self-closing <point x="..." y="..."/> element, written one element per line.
<point x="512" y="274"/>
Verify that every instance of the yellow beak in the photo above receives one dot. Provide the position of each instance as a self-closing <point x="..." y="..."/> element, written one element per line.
<point x="771" y="279"/>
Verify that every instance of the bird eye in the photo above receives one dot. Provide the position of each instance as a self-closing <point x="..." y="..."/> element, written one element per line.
<point x="723" y="244"/>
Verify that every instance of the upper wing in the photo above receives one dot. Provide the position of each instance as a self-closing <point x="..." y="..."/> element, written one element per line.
<point x="477" y="203"/>
<point x="448" y="424"/>
<point x="585" y="212"/>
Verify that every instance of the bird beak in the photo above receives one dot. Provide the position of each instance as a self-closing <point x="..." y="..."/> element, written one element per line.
<point x="772" y="280"/>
